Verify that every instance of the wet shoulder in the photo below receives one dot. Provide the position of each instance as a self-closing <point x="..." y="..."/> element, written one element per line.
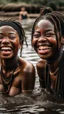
<point x="27" y="66"/>
<point x="41" y="64"/>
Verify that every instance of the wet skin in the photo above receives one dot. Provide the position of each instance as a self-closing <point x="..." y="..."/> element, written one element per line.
<point x="45" y="44"/>
<point x="44" y="39"/>
<point x="24" y="73"/>
<point x="9" y="42"/>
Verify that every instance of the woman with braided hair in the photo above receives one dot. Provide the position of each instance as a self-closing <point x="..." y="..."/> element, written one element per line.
<point x="16" y="75"/>
<point x="47" y="36"/>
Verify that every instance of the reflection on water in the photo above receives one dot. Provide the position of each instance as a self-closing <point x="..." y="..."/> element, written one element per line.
<point x="39" y="102"/>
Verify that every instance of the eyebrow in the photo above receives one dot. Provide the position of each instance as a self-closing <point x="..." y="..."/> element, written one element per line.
<point x="37" y="31"/>
<point x="8" y="33"/>
<point x="48" y="30"/>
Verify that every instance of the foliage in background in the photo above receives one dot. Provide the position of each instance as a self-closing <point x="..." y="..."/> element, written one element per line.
<point x="39" y="2"/>
<point x="3" y="1"/>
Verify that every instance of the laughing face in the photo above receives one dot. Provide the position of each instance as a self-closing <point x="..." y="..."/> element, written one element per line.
<point x="9" y="42"/>
<point x="44" y="39"/>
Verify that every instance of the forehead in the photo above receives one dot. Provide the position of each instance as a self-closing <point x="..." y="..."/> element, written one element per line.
<point x="7" y="27"/>
<point x="44" y="24"/>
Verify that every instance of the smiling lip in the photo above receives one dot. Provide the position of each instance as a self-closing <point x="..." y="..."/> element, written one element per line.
<point x="6" y="50"/>
<point x="43" y="49"/>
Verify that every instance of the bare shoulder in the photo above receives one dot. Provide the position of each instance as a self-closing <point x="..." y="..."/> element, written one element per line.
<point x="20" y="12"/>
<point x="41" y="63"/>
<point x="26" y="12"/>
<point x="27" y="66"/>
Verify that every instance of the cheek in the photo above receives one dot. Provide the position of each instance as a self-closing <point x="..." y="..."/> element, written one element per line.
<point x="16" y="42"/>
<point x="16" y="45"/>
<point x="53" y="41"/>
<point x="34" y="40"/>
<point x="16" y="49"/>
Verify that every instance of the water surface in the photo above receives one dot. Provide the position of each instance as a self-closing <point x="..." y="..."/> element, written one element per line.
<point x="39" y="102"/>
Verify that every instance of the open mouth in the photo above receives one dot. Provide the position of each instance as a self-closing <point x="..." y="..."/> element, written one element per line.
<point x="6" y="50"/>
<point x="43" y="49"/>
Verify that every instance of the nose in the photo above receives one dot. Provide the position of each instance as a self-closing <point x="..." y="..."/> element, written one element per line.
<point x="5" y="40"/>
<point x="42" y="38"/>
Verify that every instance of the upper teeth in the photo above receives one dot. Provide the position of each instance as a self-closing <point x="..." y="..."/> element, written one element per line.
<point x="5" y="48"/>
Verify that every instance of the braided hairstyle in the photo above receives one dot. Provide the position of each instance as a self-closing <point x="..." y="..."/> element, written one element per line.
<point x="61" y="19"/>
<point x="56" y="18"/>
<point x="44" y="10"/>
<point x="18" y="27"/>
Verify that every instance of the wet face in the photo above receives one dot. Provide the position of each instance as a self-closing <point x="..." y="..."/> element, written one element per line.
<point x="44" y="39"/>
<point x="9" y="42"/>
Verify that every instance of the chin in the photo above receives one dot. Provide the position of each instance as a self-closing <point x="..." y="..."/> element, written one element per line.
<point x="44" y="56"/>
<point x="6" y="57"/>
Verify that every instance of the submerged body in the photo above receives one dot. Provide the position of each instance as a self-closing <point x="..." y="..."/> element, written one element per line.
<point x="46" y="39"/>
<point x="16" y="75"/>
<point x="23" y="14"/>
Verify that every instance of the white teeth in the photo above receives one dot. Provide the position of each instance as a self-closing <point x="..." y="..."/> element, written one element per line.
<point x="44" y="47"/>
<point x="6" y="48"/>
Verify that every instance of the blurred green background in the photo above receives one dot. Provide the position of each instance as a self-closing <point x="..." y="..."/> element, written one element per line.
<point x="12" y="7"/>
<point x="44" y="2"/>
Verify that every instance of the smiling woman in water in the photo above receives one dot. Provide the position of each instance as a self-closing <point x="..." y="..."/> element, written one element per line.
<point x="16" y="75"/>
<point x="47" y="37"/>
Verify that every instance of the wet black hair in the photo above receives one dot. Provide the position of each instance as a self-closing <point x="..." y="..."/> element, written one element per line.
<point x="18" y="27"/>
<point x="57" y="19"/>
<point x="44" y="10"/>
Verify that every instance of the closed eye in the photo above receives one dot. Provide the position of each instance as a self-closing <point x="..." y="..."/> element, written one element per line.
<point x="36" y="35"/>
<point x="50" y="34"/>
<point x="12" y="36"/>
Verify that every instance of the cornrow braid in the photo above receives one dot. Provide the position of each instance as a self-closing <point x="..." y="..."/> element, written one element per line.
<point x="44" y="10"/>
<point x="57" y="25"/>
<point x="61" y="19"/>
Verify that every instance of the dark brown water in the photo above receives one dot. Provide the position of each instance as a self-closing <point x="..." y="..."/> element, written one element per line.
<point x="39" y="102"/>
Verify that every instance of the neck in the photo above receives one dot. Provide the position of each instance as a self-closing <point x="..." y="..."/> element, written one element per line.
<point x="54" y="62"/>
<point x="9" y="63"/>
<point x="54" y="65"/>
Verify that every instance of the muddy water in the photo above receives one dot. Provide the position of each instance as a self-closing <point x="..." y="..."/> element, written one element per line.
<point x="39" y="102"/>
